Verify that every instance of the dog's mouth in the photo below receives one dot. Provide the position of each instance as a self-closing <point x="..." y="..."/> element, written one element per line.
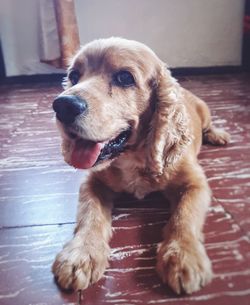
<point x="86" y="153"/>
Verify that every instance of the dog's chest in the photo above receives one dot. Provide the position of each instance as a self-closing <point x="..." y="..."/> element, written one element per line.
<point x="135" y="180"/>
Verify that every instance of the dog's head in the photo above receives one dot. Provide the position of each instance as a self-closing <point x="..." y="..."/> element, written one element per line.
<point x="117" y="95"/>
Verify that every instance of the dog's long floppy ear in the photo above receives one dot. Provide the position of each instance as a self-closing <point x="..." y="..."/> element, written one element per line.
<point x="169" y="133"/>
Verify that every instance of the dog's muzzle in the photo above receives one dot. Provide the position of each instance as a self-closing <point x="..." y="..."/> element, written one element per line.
<point x="86" y="153"/>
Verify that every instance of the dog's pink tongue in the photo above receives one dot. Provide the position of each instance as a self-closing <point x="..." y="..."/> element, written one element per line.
<point x="85" y="154"/>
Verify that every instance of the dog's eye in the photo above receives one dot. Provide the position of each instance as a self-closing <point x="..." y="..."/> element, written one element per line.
<point x="123" y="79"/>
<point x="74" y="77"/>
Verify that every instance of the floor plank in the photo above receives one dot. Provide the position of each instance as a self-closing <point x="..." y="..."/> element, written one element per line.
<point x="26" y="255"/>
<point x="38" y="197"/>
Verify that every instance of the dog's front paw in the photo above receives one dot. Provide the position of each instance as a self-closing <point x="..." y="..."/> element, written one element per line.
<point x="184" y="265"/>
<point x="80" y="263"/>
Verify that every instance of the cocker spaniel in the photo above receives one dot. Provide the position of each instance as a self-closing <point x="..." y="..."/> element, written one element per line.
<point x="124" y="117"/>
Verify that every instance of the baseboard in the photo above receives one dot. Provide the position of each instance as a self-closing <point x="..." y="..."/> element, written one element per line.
<point x="186" y="71"/>
<point x="38" y="78"/>
<point x="206" y="70"/>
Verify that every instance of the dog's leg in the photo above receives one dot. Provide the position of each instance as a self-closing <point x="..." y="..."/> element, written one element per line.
<point x="215" y="136"/>
<point x="210" y="133"/>
<point x="84" y="259"/>
<point x="182" y="261"/>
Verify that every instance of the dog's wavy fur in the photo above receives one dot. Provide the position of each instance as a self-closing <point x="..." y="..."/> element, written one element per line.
<point x="168" y="124"/>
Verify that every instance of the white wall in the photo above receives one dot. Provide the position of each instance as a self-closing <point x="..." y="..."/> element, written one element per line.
<point x="184" y="33"/>
<point x="19" y="35"/>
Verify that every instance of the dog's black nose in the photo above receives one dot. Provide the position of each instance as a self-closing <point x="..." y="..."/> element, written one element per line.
<point x="68" y="107"/>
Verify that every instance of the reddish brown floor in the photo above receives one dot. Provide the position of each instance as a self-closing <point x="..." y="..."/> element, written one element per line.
<point x="38" y="197"/>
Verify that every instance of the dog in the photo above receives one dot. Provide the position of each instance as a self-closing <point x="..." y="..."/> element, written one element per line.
<point x="123" y="116"/>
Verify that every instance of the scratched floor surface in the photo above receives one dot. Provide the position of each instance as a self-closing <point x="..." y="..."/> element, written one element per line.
<point x="38" y="196"/>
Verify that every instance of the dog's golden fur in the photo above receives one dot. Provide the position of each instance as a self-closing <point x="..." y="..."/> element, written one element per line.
<point x="168" y="123"/>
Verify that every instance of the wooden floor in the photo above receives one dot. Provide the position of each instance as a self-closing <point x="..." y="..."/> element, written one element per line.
<point x="38" y="197"/>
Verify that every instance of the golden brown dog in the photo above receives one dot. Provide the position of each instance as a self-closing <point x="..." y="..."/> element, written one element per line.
<point x="126" y="118"/>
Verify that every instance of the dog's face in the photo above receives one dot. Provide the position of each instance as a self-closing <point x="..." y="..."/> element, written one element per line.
<point x="108" y="97"/>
